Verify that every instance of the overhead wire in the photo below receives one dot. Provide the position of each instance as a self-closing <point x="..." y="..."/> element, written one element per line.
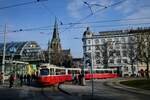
<point x="21" y="4"/>
<point x="51" y="12"/>
<point x="84" y="18"/>
<point x="79" y="27"/>
<point x="112" y="20"/>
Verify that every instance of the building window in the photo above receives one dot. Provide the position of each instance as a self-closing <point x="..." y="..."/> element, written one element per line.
<point x="109" y="40"/>
<point x="97" y="55"/>
<point x="111" y="61"/>
<point x="123" y="40"/>
<point x="98" y="61"/>
<point x="96" y="41"/>
<point x="111" y="46"/>
<point x="84" y="49"/>
<point x="88" y="48"/>
<point x="124" y="46"/>
<point x="103" y="41"/>
<point x="97" y="47"/>
<point x="124" y="53"/>
<point x="117" y="46"/>
<point x="116" y="40"/>
<point x="125" y="61"/>
<point x="117" y="53"/>
<point x="119" y="61"/>
<point x="111" y="53"/>
<point x="88" y="41"/>
<point x="131" y="39"/>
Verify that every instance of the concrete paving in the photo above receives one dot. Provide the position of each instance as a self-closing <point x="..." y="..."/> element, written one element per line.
<point x="108" y="89"/>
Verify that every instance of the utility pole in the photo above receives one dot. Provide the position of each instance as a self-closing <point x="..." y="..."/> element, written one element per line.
<point x="4" y="52"/>
<point x="92" y="66"/>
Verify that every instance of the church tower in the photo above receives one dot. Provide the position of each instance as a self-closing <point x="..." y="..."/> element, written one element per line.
<point x="54" y="47"/>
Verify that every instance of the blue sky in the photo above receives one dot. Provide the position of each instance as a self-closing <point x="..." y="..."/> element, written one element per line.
<point x="43" y="14"/>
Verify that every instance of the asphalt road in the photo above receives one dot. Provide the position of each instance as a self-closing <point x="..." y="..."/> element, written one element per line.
<point x="102" y="91"/>
<point x="22" y="93"/>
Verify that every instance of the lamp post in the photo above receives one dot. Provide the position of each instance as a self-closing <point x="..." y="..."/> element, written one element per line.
<point x="4" y="52"/>
<point x="12" y="50"/>
<point x="92" y="65"/>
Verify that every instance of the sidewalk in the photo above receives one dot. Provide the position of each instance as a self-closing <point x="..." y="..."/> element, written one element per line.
<point x="78" y="92"/>
<point x="116" y="84"/>
<point x="16" y="85"/>
<point x="112" y="83"/>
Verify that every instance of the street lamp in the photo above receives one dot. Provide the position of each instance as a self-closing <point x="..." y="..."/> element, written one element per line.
<point x="4" y="52"/>
<point x="12" y="50"/>
<point x="92" y="65"/>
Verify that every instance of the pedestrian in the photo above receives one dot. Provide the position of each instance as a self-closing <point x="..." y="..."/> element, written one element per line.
<point x="1" y="77"/>
<point x="21" y="79"/>
<point x="79" y="78"/>
<point x="33" y="77"/>
<point x="75" y="80"/>
<point x="142" y="72"/>
<point x="11" y="80"/>
<point x="28" y="79"/>
<point x="146" y="73"/>
<point x="25" y="78"/>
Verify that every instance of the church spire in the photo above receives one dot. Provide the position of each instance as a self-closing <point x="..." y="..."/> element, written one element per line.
<point x="55" y="32"/>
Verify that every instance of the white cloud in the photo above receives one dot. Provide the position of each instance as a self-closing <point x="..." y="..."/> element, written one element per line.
<point x="141" y="13"/>
<point x="131" y="9"/>
<point x="127" y="6"/>
<point x="78" y="9"/>
<point x="74" y="7"/>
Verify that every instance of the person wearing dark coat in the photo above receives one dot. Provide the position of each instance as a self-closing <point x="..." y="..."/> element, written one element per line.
<point x="79" y="78"/>
<point x="28" y="79"/>
<point x="11" y="80"/>
<point x="21" y="80"/>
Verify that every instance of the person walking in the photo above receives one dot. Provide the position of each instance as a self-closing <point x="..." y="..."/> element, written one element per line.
<point x="1" y="77"/>
<point x="79" y="78"/>
<point x="11" y="80"/>
<point x="21" y="80"/>
<point x="28" y="79"/>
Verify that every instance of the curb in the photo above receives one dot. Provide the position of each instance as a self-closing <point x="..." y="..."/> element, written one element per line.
<point x="62" y="90"/>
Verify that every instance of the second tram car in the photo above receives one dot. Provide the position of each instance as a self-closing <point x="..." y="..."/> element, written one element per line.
<point x="51" y="75"/>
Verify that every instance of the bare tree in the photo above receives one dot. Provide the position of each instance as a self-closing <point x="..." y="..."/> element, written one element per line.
<point x="143" y="47"/>
<point x="107" y="52"/>
<point x="132" y="52"/>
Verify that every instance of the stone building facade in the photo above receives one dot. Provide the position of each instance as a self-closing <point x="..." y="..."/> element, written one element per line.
<point x="109" y="49"/>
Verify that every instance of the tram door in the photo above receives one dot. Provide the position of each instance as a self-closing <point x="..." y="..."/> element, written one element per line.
<point x="119" y="71"/>
<point x="73" y="74"/>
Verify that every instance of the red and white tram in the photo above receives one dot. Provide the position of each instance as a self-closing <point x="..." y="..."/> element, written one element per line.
<point x="51" y="75"/>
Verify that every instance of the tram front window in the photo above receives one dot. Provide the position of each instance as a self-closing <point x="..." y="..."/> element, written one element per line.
<point x="44" y="72"/>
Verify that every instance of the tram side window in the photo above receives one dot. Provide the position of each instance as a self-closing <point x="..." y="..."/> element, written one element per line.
<point x="87" y="72"/>
<point x="106" y="71"/>
<point x="60" y="71"/>
<point x="57" y="72"/>
<point x="69" y="71"/>
<point x="110" y="71"/>
<point x="44" y="72"/>
<point x="97" y="71"/>
<point x="115" y="71"/>
<point x="51" y="71"/>
<point x="63" y="72"/>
